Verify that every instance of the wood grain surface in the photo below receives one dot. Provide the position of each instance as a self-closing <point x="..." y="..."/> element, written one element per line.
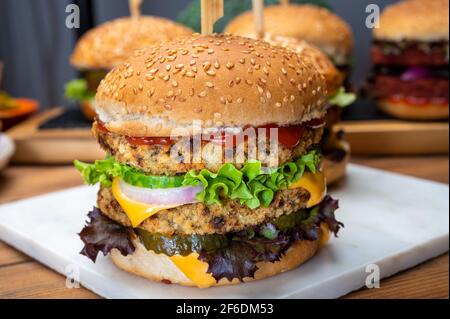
<point x="22" y="277"/>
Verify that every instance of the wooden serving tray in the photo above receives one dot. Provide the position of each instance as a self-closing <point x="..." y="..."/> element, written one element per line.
<point x="60" y="135"/>
<point x="37" y="144"/>
<point x="370" y="132"/>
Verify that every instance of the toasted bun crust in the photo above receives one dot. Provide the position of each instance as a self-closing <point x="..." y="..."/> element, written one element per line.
<point x="159" y="267"/>
<point x="88" y="109"/>
<point x="112" y="42"/>
<point x="323" y="64"/>
<point x="334" y="171"/>
<point x="307" y="22"/>
<point x="220" y="80"/>
<point x="415" y="20"/>
<point x="413" y="112"/>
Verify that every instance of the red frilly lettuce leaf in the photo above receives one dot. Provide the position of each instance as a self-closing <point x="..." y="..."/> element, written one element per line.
<point x="102" y="234"/>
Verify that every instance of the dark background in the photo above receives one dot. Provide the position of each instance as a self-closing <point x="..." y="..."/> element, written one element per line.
<point x="35" y="44"/>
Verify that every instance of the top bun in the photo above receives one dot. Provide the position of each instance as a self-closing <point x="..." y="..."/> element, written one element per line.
<point x="333" y="77"/>
<point x="415" y="20"/>
<point x="221" y="80"/>
<point x="314" y="24"/>
<point x="112" y="42"/>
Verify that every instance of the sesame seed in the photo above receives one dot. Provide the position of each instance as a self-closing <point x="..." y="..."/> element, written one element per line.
<point x="260" y="90"/>
<point x="217" y="65"/>
<point x="210" y="84"/>
<point x="168" y="107"/>
<point x="284" y="71"/>
<point x="194" y="69"/>
<point x="252" y="61"/>
<point x="189" y="74"/>
<point x="239" y="100"/>
<point x="166" y="77"/>
<point x="268" y="95"/>
<point x="229" y="65"/>
<point x="202" y="94"/>
<point x="211" y="73"/>
<point x="242" y="61"/>
<point x="149" y="77"/>
<point x="140" y="87"/>
<point x="168" y="66"/>
<point x="192" y="62"/>
<point x="153" y="71"/>
<point x="210" y="51"/>
<point x="169" y="94"/>
<point x="278" y="104"/>
<point x="238" y="80"/>
<point x="174" y="83"/>
<point x="179" y="66"/>
<point x="292" y="98"/>
<point x="222" y="100"/>
<point x="206" y="65"/>
<point x="229" y="98"/>
<point x="135" y="91"/>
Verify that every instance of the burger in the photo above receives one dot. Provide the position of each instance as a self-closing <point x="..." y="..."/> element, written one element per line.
<point x="208" y="218"/>
<point x="104" y="47"/>
<point x="316" y="25"/>
<point x="335" y="150"/>
<point x="410" y="57"/>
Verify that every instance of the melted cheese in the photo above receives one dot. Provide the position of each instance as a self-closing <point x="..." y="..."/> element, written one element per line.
<point x="316" y="186"/>
<point x="325" y="234"/>
<point x="136" y="212"/>
<point x="194" y="269"/>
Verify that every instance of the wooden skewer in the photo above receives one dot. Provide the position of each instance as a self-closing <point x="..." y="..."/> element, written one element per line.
<point x="212" y="10"/>
<point x="258" y="12"/>
<point x="135" y="8"/>
<point x="284" y="2"/>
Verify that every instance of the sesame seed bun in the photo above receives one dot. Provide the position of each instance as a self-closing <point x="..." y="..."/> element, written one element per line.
<point x="314" y="24"/>
<point x="159" y="267"/>
<point x="111" y="43"/>
<point x="221" y="80"/>
<point x="415" y="20"/>
<point x="333" y="76"/>
<point x="408" y="111"/>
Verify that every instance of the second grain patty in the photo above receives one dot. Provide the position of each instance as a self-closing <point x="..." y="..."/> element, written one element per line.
<point x="200" y="219"/>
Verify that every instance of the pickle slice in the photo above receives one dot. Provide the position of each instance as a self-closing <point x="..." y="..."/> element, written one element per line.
<point x="181" y="244"/>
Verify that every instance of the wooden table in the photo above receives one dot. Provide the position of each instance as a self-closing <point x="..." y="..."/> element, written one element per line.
<point x="22" y="277"/>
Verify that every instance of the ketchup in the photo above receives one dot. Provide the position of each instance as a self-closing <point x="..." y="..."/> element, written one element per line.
<point x="289" y="136"/>
<point x="150" y="140"/>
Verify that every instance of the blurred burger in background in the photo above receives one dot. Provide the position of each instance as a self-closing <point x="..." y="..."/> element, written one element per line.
<point x="314" y="24"/>
<point x="335" y="150"/>
<point x="410" y="57"/>
<point x="104" y="47"/>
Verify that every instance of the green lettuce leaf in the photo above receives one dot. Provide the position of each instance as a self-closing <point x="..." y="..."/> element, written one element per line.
<point x="342" y="98"/>
<point x="77" y="90"/>
<point x="103" y="172"/>
<point x="252" y="185"/>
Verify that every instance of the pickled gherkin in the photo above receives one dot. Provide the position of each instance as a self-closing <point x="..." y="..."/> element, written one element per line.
<point x="181" y="244"/>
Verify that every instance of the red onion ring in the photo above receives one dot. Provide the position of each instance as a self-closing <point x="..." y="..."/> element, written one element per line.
<point x="161" y="196"/>
<point x="415" y="73"/>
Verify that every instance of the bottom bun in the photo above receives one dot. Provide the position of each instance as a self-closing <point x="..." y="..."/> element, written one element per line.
<point x="334" y="171"/>
<point x="88" y="109"/>
<point x="159" y="267"/>
<point x="408" y="111"/>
